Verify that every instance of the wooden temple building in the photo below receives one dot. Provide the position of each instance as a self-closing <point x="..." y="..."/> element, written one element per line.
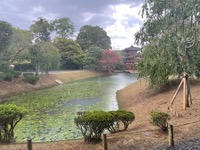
<point x="131" y="57"/>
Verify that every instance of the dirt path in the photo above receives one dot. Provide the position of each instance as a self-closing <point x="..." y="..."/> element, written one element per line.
<point x="141" y="133"/>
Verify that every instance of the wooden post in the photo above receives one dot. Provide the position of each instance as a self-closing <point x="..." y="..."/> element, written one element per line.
<point x="171" y="135"/>
<point x="105" y="146"/>
<point x="190" y="97"/>
<point x="29" y="143"/>
<point x="187" y="92"/>
<point x="184" y="92"/>
<point x="187" y="96"/>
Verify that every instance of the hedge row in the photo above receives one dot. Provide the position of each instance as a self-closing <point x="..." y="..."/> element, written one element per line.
<point x="9" y="75"/>
<point x="92" y="124"/>
<point x="32" y="79"/>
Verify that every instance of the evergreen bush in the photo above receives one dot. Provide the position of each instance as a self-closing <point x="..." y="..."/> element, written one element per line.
<point x="8" y="76"/>
<point x="92" y="124"/>
<point x="123" y="116"/>
<point x="32" y="79"/>
<point x="160" y="119"/>
<point x="10" y="115"/>
<point x="2" y="76"/>
<point x="27" y="73"/>
<point x="4" y="66"/>
<point x="16" y="73"/>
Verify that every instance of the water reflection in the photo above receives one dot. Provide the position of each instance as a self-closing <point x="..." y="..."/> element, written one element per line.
<point x="117" y="82"/>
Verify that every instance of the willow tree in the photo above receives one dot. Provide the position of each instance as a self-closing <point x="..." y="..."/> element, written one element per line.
<point x="45" y="56"/>
<point x="170" y="39"/>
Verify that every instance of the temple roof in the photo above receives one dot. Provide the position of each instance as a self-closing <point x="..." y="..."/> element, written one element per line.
<point x="132" y="48"/>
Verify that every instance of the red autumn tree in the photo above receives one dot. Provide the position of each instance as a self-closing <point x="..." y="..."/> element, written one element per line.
<point x="109" y="60"/>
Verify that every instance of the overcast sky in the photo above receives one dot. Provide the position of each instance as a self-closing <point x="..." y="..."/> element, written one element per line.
<point x="119" y="18"/>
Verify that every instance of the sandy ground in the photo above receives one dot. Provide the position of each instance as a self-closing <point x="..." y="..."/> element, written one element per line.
<point x="141" y="134"/>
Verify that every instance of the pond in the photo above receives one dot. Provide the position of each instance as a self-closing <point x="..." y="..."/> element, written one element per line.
<point x="52" y="111"/>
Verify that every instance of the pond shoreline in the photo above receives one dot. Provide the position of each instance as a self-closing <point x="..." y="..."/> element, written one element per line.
<point x="141" y="134"/>
<point x="52" y="111"/>
<point x="19" y="86"/>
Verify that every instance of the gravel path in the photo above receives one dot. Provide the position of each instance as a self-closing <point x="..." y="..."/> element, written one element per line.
<point x="193" y="144"/>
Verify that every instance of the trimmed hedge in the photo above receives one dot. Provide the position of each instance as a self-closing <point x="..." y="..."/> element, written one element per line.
<point x="27" y="73"/>
<point x="32" y="79"/>
<point x="123" y="116"/>
<point x="10" y="115"/>
<point x="16" y="73"/>
<point x="92" y="124"/>
<point x="9" y="75"/>
<point x="160" y="119"/>
<point x="2" y="76"/>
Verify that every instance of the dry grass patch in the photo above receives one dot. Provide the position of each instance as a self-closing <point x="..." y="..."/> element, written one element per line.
<point x="68" y="76"/>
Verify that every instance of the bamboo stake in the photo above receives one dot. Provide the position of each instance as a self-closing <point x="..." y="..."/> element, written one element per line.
<point x="184" y="92"/>
<point x="187" y="93"/>
<point x="176" y="92"/>
<point x="190" y="96"/>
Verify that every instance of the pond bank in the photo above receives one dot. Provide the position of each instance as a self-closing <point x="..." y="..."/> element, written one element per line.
<point x="141" y="134"/>
<point x="141" y="100"/>
<point x="19" y="86"/>
<point x="52" y="111"/>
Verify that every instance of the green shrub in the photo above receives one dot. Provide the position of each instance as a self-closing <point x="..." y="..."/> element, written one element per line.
<point x="123" y="116"/>
<point x="92" y="124"/>
<point x="160" y="119"/>
<point x="27" y="73"/>
<point x="10" y="115"/>
<point x="16" y="73"/>
<point x="32" y="79"/>
<point x="8" y="76"/>
<point x="2" y="76"/>
<point x="4" y="66"/>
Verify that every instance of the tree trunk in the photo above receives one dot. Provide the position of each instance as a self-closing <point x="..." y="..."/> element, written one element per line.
<point x="36" y="68"/>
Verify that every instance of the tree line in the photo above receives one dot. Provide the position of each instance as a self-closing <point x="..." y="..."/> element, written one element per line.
<point x="48" y="45"/>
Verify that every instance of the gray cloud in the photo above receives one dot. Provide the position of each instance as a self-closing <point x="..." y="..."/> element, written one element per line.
<point x="22" y="13"/>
